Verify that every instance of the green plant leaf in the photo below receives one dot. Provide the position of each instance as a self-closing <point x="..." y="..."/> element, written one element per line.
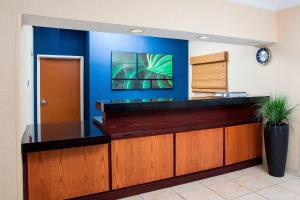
<point x="275" y="110"/>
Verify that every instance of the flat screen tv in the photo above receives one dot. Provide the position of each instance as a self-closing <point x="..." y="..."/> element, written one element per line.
<point x="141" y="71"/>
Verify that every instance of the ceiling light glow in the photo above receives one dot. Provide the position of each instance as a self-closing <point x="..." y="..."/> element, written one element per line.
<point x="134" y="30"/>
<point x="202" y="37"/>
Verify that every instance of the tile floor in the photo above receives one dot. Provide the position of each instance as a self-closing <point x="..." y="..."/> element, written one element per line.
<point x="248" y="184"/>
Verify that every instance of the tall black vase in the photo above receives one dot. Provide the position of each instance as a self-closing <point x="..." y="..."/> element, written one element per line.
<point x="276" y="144"/>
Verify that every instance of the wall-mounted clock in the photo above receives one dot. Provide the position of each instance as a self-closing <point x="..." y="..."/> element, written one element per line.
<point x="263" y="56"/>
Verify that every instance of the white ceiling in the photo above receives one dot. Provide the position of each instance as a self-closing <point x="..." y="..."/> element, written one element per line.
<point x="273" y="5"/>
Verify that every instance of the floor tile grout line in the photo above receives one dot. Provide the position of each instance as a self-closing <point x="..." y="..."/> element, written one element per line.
<point x="265" y="179"/>
<point x="239" y="177"/>
<point x="163" y="196"/>
<point x="278" y="184"/>
<point x="217" y="193"/>
<point x="249" y="194"/>
<point x="272" y="184"/>
<point x="181" y="196"/>
<point x="275" y="177"/>
<point x="261" y="196"/>
<point x="200" y="189"/>
<point x="213" y="183"/>
<point x="188" y="190"/>
<point x="298" y="194"/>
<point x="226" y="178"/>
<point x="287" y="180"/>
<point x="177" y="192"/>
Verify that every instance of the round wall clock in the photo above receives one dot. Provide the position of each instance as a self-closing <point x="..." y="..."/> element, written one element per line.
<point x="263" y="56"/>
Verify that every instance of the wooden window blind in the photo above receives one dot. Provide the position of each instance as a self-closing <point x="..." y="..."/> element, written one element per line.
<point x="209" y="72"/>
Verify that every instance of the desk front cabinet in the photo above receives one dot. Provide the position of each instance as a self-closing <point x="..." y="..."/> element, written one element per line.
<point x="66" y="173"/>
<point x="243" y="142"/>
<point x="199" y="150"/>
<point x="141" y="160"/>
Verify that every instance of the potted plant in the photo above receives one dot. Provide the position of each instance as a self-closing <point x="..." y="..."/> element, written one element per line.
<point x="276" y="113"/>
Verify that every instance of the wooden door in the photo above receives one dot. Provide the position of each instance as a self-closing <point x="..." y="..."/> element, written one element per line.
<point x="60" y="92"/>
<point x="199" y="150"/>
<point x="236" y="144"/>
<point x="140" y="160"/>
<point x="67" y="173"/>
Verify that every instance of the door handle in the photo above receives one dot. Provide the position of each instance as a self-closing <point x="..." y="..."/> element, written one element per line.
<point x="44" y="102"/>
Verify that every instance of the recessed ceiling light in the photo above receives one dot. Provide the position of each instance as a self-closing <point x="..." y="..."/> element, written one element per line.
<point x="202" y="37"/>
<point x="134" y="30"/>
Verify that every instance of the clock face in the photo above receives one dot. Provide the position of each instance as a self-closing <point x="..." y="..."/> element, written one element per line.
<point x="263" y="56"/>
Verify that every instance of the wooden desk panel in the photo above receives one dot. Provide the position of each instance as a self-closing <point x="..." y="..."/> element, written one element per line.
<point x="236" y="144"/>
<point x="66" y="173"/>
<point x="255" y="140"/>
<point x="141" y="160"/>
<point x="131" y="124"/>
<point x="199" y="150"/>
<point x="243" y="142"/>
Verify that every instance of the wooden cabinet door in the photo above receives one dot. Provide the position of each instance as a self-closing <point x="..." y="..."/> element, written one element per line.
<point x="236" y="144"/>
<point x="255" y="140"/>
<point x="66" y="173"/>
<point x="242" y="142"/>
<point x="140" y="160"/>
<point x="199" y="150"/>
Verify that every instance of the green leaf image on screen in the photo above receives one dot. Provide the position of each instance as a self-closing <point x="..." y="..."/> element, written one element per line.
<point x="141" y="71"/>
<point x="124" y="65"/>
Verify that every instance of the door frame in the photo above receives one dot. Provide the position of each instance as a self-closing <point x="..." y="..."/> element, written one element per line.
<point x="38" y="76"/>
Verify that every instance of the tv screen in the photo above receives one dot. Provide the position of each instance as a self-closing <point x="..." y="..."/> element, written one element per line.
<point x="141" y="71"/>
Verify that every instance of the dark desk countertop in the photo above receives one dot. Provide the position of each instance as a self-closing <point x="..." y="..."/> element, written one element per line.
<point x="73" y="134"/>
<point x="62" y="135"/>
<point x="171" y="103"/>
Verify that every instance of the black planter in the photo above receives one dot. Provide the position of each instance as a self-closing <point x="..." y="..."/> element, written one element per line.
<point x="276" y="144"/>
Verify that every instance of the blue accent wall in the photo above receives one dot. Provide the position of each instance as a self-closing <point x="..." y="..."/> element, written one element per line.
<point x="53" y="41"/>
<point x="102" y="44"/>
<point x="96" y="48"/>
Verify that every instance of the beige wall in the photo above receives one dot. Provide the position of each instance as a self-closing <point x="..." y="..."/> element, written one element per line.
<point x="241" y="66"/>
<point x="26" y="77"/>
<point x="8" y="142"/>
<point x="26" y="108"/>
<point x="201" y="16"/>
<point x="281" y="76"/>
<point x="217" y="17"/>
<point x="285" y="70"/>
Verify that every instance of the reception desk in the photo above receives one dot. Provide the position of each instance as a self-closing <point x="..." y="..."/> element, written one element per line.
<point x="139" y="146"/>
